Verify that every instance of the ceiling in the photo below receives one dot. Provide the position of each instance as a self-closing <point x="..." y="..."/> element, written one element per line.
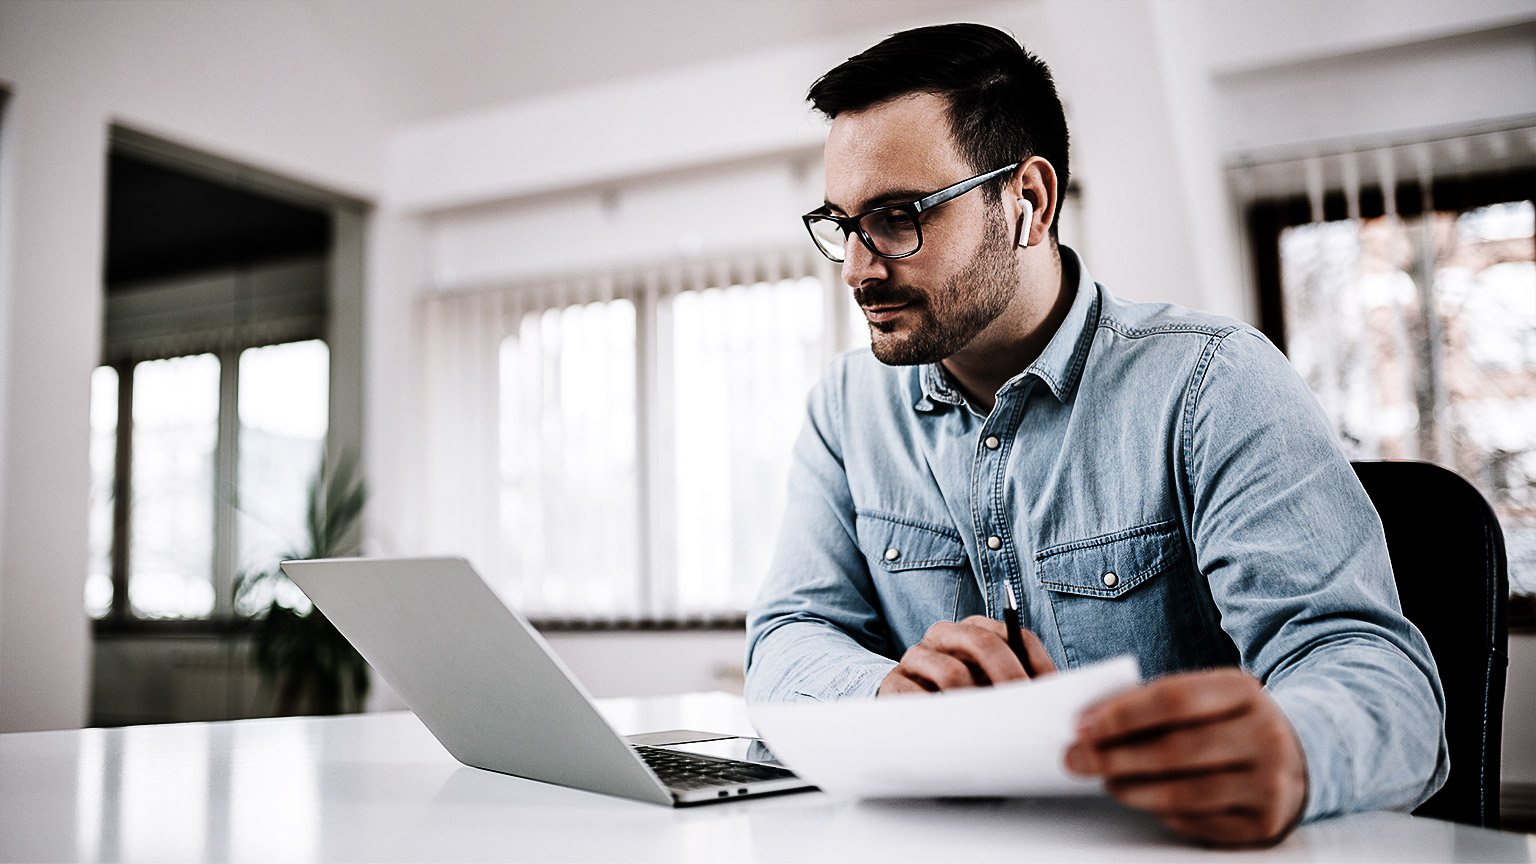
<point x="422" y="60"/>
<point x="428" y="60"/>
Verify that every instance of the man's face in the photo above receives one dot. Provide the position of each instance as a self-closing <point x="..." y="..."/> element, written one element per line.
<point x="935" y="303"/>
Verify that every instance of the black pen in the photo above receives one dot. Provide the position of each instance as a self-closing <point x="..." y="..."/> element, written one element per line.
<point x="1015" y="635"/>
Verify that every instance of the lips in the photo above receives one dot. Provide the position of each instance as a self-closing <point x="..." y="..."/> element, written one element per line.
<point x="883" y="302"/>
<point x="884" y="312"/>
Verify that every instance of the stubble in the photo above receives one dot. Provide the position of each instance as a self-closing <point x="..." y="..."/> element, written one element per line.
<point x="949" y="318"/>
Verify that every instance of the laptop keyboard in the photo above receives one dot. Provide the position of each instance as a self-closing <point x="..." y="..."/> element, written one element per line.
<point x="686" y="771"/>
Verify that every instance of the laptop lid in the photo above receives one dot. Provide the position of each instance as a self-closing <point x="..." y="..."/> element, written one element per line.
<point x="476" y="673"/>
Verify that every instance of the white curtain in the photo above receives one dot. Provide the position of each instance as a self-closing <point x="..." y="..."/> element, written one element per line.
<point x="615" y="446"/>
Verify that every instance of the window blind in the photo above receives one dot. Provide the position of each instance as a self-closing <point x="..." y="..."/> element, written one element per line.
<point x="615" y="446"/>
<point x="227" y="309"/>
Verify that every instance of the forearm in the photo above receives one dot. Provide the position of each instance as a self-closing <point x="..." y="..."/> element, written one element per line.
<point x="816" y="630"/>
<point x="1370" y="725"/>
<point x="800" y="658"/>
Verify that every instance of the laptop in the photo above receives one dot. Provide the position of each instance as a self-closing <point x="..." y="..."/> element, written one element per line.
<point x="489" y="687"/>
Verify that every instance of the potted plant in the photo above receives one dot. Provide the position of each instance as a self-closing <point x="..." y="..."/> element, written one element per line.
<point x="310" y="666"/>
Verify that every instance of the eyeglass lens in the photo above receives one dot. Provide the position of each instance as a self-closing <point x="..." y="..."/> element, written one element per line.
<point x="892" y="232"/>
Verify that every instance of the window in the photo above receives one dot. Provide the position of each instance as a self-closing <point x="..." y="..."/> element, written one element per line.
<point x="210" y="408"/>
<point x="640" y="432"/>
<point x="186" y="494"/>
<point x="569" y="494"/>
<point x="104" y="441"/>
<point x="283" y="398"/>
<point x="743" y="358"/>
<point x="174" y="416"/>
<point x="1410" y="311"/>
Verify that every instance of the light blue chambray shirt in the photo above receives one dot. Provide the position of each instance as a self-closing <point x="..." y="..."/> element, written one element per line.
<point x="1159" y="482"/>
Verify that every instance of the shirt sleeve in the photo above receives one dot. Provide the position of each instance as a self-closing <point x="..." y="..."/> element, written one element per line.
<point x="815" y="631"/>
<point x="1297" y="562"/>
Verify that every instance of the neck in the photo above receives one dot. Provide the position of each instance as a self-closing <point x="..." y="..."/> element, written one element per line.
<point x="1008" y="345"/>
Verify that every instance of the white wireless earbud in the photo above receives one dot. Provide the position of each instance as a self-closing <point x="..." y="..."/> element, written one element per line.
<point x="1024" y="219"/>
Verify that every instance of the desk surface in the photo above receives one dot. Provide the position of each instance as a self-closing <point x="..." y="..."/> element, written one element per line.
<point x="380" y="788"/>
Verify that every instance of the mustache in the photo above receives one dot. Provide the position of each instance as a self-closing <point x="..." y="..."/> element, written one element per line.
<point x="886" y="294"/>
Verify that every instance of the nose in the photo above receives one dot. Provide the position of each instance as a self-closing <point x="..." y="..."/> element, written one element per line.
<point x="861" y="265"/>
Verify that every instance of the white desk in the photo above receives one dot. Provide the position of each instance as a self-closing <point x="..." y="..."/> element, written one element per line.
<point x="380" y="788"/>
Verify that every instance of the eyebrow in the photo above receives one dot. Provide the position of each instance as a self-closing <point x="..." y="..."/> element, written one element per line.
<point x="895" y="196"/>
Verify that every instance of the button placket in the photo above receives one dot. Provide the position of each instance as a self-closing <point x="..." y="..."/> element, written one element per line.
<point x="987" y="473"/>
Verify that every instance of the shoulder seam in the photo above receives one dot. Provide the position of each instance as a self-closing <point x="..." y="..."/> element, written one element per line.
<point x="1192" y="396"/>
<point x="1129" y="332"/>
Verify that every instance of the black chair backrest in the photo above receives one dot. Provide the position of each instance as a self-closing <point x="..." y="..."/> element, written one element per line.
<point x="1448" y="555"/>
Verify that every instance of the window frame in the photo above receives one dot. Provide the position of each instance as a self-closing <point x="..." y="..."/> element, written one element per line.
<point x="224" y="565"/>
<point x="1267" y="218"/>
<point x="336" y="319"/>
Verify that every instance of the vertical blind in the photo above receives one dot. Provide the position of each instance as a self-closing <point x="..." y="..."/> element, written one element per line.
<point x="615" y="447"/>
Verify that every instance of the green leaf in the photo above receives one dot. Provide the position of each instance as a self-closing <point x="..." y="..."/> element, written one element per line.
<point x="303" y="657"/>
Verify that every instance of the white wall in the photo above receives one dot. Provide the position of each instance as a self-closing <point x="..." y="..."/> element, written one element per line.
<point x="256" y="82"/>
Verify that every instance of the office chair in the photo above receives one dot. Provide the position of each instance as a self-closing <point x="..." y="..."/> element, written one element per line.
<point x="1448" y="555"/>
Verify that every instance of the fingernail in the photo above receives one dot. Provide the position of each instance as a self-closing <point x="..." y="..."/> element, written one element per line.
<point x="1077" y="761"/>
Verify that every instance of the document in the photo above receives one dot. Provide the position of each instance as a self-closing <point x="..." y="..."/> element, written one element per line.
<point x="1005" y="740"/>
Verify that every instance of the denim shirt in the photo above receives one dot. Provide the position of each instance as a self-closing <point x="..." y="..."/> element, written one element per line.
<point x="1159" y="482"/>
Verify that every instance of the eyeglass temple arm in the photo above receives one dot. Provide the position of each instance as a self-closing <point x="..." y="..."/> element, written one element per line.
<point x="959" y="189"/>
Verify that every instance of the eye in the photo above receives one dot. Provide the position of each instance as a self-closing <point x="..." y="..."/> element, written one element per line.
<point x="890" y="223"/>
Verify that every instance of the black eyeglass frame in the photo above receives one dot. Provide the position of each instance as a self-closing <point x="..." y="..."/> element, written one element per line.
<point x="853" y="224"/>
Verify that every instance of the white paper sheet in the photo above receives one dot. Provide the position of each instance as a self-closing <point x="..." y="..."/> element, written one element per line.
<point x="1006" y="740"/>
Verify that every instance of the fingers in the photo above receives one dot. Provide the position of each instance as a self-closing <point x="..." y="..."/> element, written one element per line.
<point x="979" y="642"/>
<point x="897" y="682"/>
<point x="1038" y="657"/>
<point x="1175" y="700"/>
<point x="969" y="653"/>
<point x="1183" y="749"/>
<point x="1204" y="794"/>
<point x="1227" y="829"/>
<point x="1210" y="753"/>
<point x="934" y="671"/>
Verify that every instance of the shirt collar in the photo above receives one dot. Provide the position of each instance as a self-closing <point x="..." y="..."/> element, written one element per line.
<point x="1060" y="365"/>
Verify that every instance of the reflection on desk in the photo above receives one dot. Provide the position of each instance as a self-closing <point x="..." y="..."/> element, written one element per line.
<point x="380" y="787"/>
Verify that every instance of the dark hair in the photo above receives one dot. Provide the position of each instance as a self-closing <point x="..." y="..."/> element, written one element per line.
<point x="1003" y="105"/>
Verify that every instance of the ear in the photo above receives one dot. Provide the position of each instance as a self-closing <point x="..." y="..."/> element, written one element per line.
<point x="1033" y="185"/>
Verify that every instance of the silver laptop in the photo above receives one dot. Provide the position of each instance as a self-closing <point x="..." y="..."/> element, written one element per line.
<point x="488" y="686"/>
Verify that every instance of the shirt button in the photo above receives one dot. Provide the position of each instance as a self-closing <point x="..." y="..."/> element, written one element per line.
<point x="992" y="442"/>
<point x="994" y="542"/>
<point x="892" y="554"/>
<point x="1111" y="580"/>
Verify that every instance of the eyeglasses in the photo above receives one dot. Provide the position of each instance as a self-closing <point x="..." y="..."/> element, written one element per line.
<point x="891" y="231"/>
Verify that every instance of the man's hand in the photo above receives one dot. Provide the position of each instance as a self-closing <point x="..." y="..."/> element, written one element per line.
<point x="969" y="653"/>
<point x="1209" y="753"/>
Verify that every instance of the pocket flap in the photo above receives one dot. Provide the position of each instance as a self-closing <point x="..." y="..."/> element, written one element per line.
<point x="1112" y="564"/>
<point x="905" y="544"/>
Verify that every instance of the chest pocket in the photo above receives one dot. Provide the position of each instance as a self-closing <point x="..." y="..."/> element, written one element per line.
<point x="1129" y="592"/>
<point x="919" y="570"/>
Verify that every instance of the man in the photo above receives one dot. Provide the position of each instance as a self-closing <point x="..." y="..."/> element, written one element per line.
<point x="1146" y="479"/>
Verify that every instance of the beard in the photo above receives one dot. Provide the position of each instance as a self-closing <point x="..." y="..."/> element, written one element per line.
<point x="949" y="318"/>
